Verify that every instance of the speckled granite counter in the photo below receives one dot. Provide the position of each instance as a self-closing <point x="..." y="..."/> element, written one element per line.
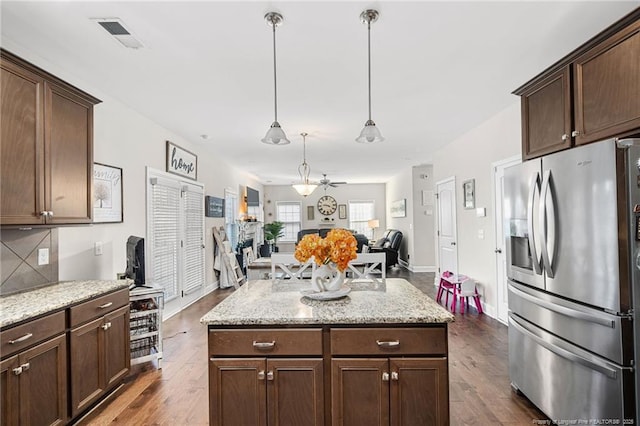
<point x="265" y="303"/>
<point x="23" y="306"/>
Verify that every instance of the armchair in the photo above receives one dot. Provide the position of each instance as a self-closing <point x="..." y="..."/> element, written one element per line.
<point x="389" y="244"/>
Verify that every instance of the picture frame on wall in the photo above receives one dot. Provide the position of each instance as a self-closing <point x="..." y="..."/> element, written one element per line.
<point x="213" y="206"/>
<point x="342" y="211"/>
<point x="399" y="208"/>
<point x="107" y="194"/>
<point x="181" y="162"/>
<point x="310" y="212"/>
<point x="469" y="193"/>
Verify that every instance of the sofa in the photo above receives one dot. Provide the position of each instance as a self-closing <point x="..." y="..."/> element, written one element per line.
<point x="389" y="244"/>
<point x="361" y="239"/>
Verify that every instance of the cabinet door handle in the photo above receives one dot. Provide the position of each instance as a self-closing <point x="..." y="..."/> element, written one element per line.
<point x="394" y="375"/>
<point x="44" y="213"/>
<point x="385" y="377"/>
<point x="17" y="371"/>
<point x="21" y="339"/>
<point x="106" y="305"/>
<point x="565" y="137"/>
<point x="25" y="366"/>
<point x="261" y="375"/>
<point x="106" y="326"/>
<point x="264" y="345"/>
<point x="388" y="343"/>
<point x="575" y="133"/>
<point x="270" y="375"/>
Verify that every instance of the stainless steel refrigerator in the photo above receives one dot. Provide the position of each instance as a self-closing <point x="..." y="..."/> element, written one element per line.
<point x="573" y="263"/>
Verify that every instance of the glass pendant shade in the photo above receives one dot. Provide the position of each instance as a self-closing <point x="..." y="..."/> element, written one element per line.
<point x="305" y="189"/>
<point x="369" y="133"/>
<point x="275" y="135"/>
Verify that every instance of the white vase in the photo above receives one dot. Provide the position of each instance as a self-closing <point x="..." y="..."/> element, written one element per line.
<point x="327" y="278"/>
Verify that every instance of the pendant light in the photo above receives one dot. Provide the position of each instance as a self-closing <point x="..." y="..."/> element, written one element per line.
<point x="305" y="187"/>
<point x="370" y="132"/>
<point x="275" y="135"/>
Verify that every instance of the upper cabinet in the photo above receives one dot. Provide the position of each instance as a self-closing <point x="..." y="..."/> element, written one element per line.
<point x="46" y="150"/>
<point x="590" y="95"/>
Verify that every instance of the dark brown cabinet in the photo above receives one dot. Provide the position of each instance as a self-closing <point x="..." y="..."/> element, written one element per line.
<point x="590" y="95"/>
<point x="266" y="391"/>
<point x="46" y="147"/>
<point x="33" y="382"/>
<point x="99" y="349"/>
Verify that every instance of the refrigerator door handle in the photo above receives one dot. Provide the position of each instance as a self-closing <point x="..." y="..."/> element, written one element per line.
<point x="548" y="224"/>
<point x="534" y="189"/>
<point x="609" y="372"/>
<point x="563" y="310"/>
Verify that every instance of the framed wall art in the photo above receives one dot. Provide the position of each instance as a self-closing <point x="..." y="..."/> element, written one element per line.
<point x="342" y="211"/>
<point x="213" y="206"/>
<point x="399" y="208"/>
<point x="107" y="194"/>
<point x="181" y="162"/>
<point x="469" y="193"/>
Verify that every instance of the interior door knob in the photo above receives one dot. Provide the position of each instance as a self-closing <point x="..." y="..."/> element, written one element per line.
<point x="498" y="250"/>
<point x="453" y="243"/>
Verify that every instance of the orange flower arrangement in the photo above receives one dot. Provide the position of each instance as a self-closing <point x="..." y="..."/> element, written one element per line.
<point x="339" y="247"/>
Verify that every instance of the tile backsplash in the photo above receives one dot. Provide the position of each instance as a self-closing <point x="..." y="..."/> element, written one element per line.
<point x="29" y="259"/>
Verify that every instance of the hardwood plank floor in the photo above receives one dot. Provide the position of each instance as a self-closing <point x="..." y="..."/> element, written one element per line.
<point x="177" y="394"/>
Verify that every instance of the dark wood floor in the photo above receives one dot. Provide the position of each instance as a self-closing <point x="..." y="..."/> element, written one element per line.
<point x="177" y="394"/>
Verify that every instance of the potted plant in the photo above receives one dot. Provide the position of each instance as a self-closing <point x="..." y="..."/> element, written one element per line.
<point x="273" y="231"/>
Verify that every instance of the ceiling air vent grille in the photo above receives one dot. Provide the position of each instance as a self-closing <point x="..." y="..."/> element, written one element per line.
<point x="116" y="28"/>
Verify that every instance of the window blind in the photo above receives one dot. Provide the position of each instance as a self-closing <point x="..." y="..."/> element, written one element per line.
<point x="193" y="200"/>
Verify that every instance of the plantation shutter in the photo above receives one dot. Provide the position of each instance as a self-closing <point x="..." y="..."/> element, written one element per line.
<point x="193" y="199"/>
<point x="164" y="238"/>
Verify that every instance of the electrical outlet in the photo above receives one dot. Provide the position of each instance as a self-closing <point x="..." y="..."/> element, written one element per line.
<point x="43" y="256"/>
<point x="97" y="248"/>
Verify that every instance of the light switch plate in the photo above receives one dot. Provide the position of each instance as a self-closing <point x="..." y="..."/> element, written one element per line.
<point x="43" y="256"/>
<point x="97" y="249"/>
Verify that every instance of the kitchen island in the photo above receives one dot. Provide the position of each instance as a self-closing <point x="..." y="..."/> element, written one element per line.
<point x="377" y="356"/>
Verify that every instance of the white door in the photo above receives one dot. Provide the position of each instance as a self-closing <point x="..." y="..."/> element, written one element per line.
<point x="174" y="254"/>
<point x="447" y="234"/>
<point x="502" y="306"/>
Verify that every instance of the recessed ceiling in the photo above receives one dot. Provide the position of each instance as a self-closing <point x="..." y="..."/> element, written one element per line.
<point x="438" y="70"/>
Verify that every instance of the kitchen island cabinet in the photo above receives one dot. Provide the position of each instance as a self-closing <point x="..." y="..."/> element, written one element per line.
<point x="377" y="356"/>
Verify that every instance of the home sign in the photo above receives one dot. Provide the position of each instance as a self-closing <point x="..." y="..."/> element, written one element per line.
<point x="181" y="162"/>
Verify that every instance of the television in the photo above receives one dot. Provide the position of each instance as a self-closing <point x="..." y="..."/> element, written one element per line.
<point x="253" y="197"/>
<point x="135" y="260"/>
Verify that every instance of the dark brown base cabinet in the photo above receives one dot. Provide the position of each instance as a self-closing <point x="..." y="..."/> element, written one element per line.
<point x="51" y="372"/>
<point x="329" y="376"/>
<point x="34" y="385"/>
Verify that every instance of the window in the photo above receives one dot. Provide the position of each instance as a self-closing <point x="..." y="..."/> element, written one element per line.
<point x="230" y="215"/>
<point x="360" y="212"/>
<point x="289" y="213"/>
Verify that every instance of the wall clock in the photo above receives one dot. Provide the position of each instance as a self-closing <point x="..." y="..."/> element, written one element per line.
<point x="327" y="205"/>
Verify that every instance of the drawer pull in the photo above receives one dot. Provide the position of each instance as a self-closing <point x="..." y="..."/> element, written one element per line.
<point x="270" y="375"/>
<point x="261" y="375"/>
<point x="21" y="339"/>
<point x="388" y="343"/>
<point x="106" y="305"/>
<point x="264" y="345"/>
<point x="385" y="377"/>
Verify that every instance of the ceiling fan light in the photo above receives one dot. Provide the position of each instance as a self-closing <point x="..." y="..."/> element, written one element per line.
<point x="305" y="189"/>
<point x="370" y="133"/>
<point x="275" y="135"/>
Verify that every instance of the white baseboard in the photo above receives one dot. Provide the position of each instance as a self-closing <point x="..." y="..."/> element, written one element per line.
<point x="418" y="268"/>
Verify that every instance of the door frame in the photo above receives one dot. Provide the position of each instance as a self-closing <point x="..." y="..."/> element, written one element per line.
<point x="501" y="313"/>
<point x="437" y="223"/>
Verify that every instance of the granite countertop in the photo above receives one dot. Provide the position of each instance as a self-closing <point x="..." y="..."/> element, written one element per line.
<point x="266" y="303"/>
<point x="19" y="307"/>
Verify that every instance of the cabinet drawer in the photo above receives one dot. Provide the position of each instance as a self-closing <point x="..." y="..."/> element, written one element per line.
<point x="389" y="341"/>
<point x="28" y="334"/>
<point x="265" y="342"/>
<point x="97" y="307"/>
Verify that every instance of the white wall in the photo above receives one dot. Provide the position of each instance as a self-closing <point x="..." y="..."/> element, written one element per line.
<point x="399" y="187"/>
<point x="342" y="193"/>
<point x="423" y="257"/>
<point x="126" y="139"/>
<point x="470" y="157"/>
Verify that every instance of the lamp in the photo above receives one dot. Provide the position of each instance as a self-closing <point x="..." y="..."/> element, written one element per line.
<point x="305" y="188"/>
<point x="373" y="224"/>
<point x="275" y="135"/>
<point x="370" y="132"/>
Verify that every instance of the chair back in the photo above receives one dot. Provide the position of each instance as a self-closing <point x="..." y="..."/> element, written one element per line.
<point x="467" y="288"/>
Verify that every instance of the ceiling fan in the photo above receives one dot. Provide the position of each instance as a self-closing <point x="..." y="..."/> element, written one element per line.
<point x="325" y="182"/>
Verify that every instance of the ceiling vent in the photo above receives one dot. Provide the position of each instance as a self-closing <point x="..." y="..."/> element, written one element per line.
<point x="116" y="28"/>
